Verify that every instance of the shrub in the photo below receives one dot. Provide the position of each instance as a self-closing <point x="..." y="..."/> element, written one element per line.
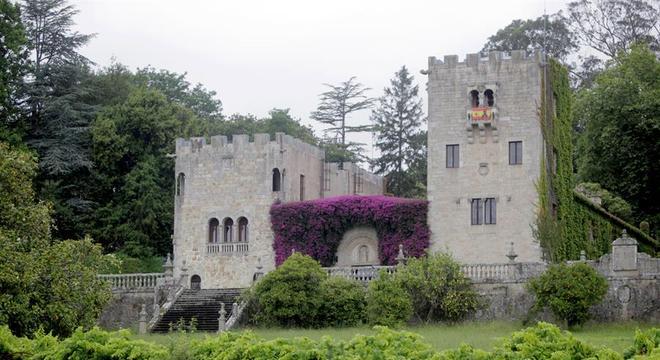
<point x="569" y="291"/>
<point x="387" y="302"/>
<point x="343" y="302"/>
<point x="645" y="343"/>
<point x="547" y="341"/>
<point x="438" y="288"/>
<point x="289" y="295"/>
<point x="97" y="344"/>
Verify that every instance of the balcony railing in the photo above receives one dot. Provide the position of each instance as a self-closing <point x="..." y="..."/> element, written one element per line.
<point x="132" y="281"/>
<point x="227" y="248"/>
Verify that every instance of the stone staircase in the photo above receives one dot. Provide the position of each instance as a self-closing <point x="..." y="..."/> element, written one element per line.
<point x="202" y="305"/>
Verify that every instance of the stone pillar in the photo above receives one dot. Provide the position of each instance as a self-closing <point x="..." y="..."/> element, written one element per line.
<point x="400" y="258"/>
<point x="168" y="267"/>
<point x="222" y="317"/>
<point x="184" y="276"/>
<point x="624" y="256"/>
<point x="142" y="327"/>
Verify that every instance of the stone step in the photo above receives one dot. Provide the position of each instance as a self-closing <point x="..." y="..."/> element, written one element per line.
<point x="203" y="305"/>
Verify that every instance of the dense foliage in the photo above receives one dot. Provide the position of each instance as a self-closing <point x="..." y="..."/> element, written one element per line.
<point x="569" y="291"/>
<point x="388" y="303"/>
<point x="401" y="143"/>
<point x="44" y="284"/>
<point x="543" y="341"/>
<point x="438" y="288"/>
<point x="315" y="227"/>
<point x="299" y="293"/>
<point x="621" y="129"/>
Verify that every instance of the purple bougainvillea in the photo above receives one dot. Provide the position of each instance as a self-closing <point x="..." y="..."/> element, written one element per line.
<point x="316" y="227"/>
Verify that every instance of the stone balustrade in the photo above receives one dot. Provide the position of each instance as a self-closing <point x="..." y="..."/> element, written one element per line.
<point x="227" y="248"/>
<point x="478" y="273"/>
<point x="132" y="281"/>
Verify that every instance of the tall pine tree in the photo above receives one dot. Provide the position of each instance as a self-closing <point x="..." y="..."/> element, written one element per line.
<point x="335" y="107"/>
<point x="398" y="118"/>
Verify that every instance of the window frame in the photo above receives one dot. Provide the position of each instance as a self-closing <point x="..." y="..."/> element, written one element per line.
<point x="516" y="156"/>
<point x="490" y="211"/>
<point x="476" y="211"/>
<point x="455" y="151"/>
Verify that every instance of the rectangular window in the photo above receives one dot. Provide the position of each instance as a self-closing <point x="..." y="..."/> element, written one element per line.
<point x="515" y="152"/>
<point x="490" y="213"/>
<point x="477" y="211"/>
<point x="452" y="156"/>
<point x="302" y="187"/>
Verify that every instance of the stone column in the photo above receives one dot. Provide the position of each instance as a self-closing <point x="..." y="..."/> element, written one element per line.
<point x="222" y="318"/>
<point x="624" y="256"/>
<point x="142" y="327"/>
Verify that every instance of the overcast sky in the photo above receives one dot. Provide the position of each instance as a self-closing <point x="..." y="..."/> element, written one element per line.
<point x="259" y="55"/>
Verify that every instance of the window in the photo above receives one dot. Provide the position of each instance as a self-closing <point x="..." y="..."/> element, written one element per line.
<point x="195" y="282"/>
<point x="227" y="230"/>
<point x="483" y="211"/>
<point x="490" y="97"/>
<point x="489" y="211"/>
<point x="326" y="178"/>
<point x="242" y="229"/>
<point x="302" y="187"/>
<point x="474" y="98"/>
<point x="277" y="185"/>
<point x="452" y="156"/>
<point x="213" y="230"/>
<point x="180" y="184"/>
<point x="476" y="206"/>
<point x="363" y="254"/>
<point x="515" y="152"/>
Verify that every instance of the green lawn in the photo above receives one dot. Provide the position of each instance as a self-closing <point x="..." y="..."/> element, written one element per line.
<point x="484" y="335"/>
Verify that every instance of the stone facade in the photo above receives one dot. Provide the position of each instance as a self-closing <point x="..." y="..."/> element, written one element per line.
<point x="478" y="110"/>
<point x="223" y="197"/>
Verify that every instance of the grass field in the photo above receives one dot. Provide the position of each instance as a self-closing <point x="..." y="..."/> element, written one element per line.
<point x="616" y="336"/>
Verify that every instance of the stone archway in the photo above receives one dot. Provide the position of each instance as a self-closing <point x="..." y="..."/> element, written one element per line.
<point x="358" y="247"/>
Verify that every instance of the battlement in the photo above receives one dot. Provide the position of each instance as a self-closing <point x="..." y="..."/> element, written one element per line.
<point x="494" y="58"/>
<point x="221" y="144"/>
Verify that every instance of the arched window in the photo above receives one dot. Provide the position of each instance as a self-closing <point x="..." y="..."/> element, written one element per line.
<point x="490" y="97"/>
<point x="180" y="184"/>
<point x="363" y="254"/>
<point x="277" y="185"/>
<point x="213" y="230"/>
<point x="242" y="229"/>
<point x="195" y="282"/>
<point x="228" y="230"/>
<point x="474" y="98"/>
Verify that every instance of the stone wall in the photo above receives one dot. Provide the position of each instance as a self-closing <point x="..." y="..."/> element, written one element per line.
<point x="124" y="308"/>
<point x="483" y="169"/>
<point x="226" y="181"/>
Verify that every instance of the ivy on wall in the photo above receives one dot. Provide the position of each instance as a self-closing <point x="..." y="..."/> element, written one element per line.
<point x="568" y="222"/>
<point x="316" y="227"/>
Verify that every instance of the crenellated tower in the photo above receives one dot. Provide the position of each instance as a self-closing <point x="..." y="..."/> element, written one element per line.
<point x="484" y="154"/>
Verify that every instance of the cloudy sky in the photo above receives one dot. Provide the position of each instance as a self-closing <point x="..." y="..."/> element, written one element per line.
<point x="259" y="55"/>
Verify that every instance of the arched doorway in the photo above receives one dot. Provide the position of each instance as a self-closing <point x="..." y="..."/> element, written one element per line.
<point x="195" y="282"/>
<point x="358" y="247"/>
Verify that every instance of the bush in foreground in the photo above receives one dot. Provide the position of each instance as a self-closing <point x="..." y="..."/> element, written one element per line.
<point x="569" y="291"/>
<point x="388" y="303"/>
<point x="438" y="288"/>
<point x="543" y="341"/>
<point x="343" y="302"/>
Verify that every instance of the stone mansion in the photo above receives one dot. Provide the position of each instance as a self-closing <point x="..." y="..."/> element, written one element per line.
<point x="484" y="160"/>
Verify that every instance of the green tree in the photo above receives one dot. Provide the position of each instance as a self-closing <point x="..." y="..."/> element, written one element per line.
<point x="334" y="109"/>
<point x="549" y="33"/>
<point x="388" y="303"/>
<point x="569" y="291"/>
<point x="290" y="296"/>
<point x="397" y="120"/>
<point x="13" y="56"/>
<point x="438" y="288"/>
<point x="178" y="89"/>
<point x="621" y="128"/>
<point x="131" y="142"/>
<point x="45" y="285"/>
<point x="612" y="26"/>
